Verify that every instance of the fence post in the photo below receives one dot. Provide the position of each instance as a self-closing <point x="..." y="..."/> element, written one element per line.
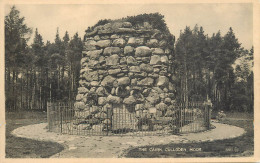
<point x="60" y="114"/>
<point x="48" y="114"/>
<point x="209" y="116"/>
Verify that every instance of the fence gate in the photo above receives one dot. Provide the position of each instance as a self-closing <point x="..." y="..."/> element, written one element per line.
<point x="122" y="120"/>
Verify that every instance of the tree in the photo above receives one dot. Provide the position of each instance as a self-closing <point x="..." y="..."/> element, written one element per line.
<point x="16" y="36"/>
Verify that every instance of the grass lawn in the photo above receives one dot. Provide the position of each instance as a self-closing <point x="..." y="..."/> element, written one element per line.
<point x="242" y="146"/>
<point x="27" y="148"/>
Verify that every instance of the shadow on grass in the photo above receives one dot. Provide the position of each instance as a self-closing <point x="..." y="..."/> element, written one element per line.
<point x="27" y="148"/>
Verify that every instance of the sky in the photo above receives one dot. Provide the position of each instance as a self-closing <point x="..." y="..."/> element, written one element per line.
<point x="77" y="18"/>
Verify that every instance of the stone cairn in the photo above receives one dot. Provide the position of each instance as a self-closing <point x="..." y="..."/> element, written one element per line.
<point x="125" y="77"/>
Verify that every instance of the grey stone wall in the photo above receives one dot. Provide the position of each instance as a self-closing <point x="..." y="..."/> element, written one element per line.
<point x="125" y="67"/>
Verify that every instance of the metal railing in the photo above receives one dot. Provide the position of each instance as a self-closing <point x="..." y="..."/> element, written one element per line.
<point x="124" y="120"/>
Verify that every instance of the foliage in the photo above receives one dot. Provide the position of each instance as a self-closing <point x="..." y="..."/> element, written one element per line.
<point x="36" y="73"/>
<point x="214" y="67"/>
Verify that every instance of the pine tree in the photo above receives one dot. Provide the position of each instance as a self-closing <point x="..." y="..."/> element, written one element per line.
<point x="16" y="36"/>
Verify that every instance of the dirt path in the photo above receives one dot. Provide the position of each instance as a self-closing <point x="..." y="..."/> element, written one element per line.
<point x="113" y="146"/>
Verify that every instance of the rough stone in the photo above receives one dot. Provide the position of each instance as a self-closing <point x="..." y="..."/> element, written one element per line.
<point x="101" y="60"/>
<point x="108" y="81"/>
<point x="90" y="45"/>
<point x="94" y="54"/>
<point x="102" y="101"/>
<point x="155" y="59"/>
<point x="169" y="113"/>
<point x="146" y="82"/>
<point x="122" y="92"/>
<point x="139" y="107"/>
<point x="111" y="50"/>
<point x="135" y="41"/>
<point x="167" y="100"/>
<point x="112" y="60"/>
<point x="134" y="69"/>
<point x="123" y="81"/>
<point x="79" y="105"/>
<point x="97" y="38"/>
<point x="152" y="110"/>
<point x="157" y="89"/>
<point x="146" y="68"/>
<point x="161" y="106"/>
<point x="122" y="60"/>
<point x="114" y="36"/>
<point x="82" y="90"/>
<point x="153" y="97"/>
<point x="90" y="76"/>
<point x="131" y="61"/>
<point x="152" y="43"/>
<point x="129" y="100"/>
<point x="103" y="43"/>
<point x="128" y="50"/>
<point x="79" y="97"/>
<point x="120" y="42"/>
<point x="142" y="51"/>
<point x="94" y="83"/>
<point x="157" y="51"/>
<point x="113" y="99"/>
<point x="162" y="81"/>
<point x="164" y="59"/>
<point x="92" y="63"/>
<point x="114" y="71"/>
<point x="101" y="91"/>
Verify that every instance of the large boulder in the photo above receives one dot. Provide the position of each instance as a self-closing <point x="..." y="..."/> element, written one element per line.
<point x="101" y="91"/>
<point x="155" y="60"/>
<point x="153" y="97"/>
<point x="123" y="81"/>
<point x="164" y="59"/>
<point x="128" y="50"/>
<point x="113" y="99"/>
<point x="111" y="50"/>
<point x="103" y="43"/>
<point x="162" y="81"/>
<point x="112" y="60"/>
<point x="131" y="61"/>
<point x="142" y="51"/>
<point x="119" y="42"/>
<point x="91" y="76"/>
<point x="79" y="105"/>
<point x="94" y="54"/>
<point x="134" y="69"/>
<point x="102" y="101"/>
<point x="135" y="41"/>
<point x="146" y="82"/>
<point x="79" y="97"/>
<point x="152" y="43"/>
<point x="108" y="81"/>
<point x="146" y="68"/>
<point x="83" y="90"/>
<point x="161" y="106"/>
<point x="157" y="51"/>
<point x="114" y="71"/>
<point x="90" y="45"/>
<point x="129" y="100"/>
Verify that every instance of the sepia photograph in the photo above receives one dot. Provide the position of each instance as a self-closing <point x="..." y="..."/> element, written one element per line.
<point x="118" y="80"/>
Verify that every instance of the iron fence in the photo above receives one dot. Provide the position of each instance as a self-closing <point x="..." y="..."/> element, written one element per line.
<point x="119" y="120"/>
